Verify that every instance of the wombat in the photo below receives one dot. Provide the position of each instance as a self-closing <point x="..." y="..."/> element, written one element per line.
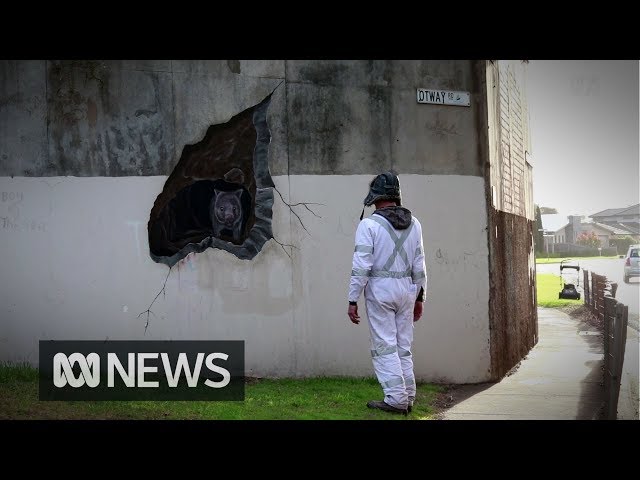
<point x="226" y="213"/>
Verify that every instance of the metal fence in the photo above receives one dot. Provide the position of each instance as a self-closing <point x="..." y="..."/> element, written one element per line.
<point x="599" y="297"/>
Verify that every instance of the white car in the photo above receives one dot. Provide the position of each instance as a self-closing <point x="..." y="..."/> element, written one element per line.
<point x="632" y="263"/>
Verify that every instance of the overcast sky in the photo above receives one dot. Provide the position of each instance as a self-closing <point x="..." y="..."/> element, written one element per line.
<point x="584" y="134"/>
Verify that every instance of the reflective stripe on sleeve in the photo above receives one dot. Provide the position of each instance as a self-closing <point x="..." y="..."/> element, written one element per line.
<point x="417" y="276"/>
<point x="360" y="272"/>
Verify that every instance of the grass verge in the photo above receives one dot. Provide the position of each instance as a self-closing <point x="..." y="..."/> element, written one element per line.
<point x="548" y="286"/>
<point x="542" y="260"/>
<point x="322" y="398"/>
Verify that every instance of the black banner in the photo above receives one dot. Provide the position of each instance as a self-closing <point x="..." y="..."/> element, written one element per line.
<point x="142" y="370"/>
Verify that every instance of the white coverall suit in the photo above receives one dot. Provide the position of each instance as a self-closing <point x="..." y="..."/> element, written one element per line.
<point x="388" y="263"/>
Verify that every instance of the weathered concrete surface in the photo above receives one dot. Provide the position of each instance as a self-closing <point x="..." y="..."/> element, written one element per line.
<point x="106" y="121"/>
<point x="433" y="139"/>
<point x="354" y="117"/>
<point x="133" y="117"/>
<point x="142" y="65"/>
<point x="231" y="68"/>
<point x="403" y="74"/>
<point x="338" y="130"/>
<point x="560" y="379"/>
<point x="23" y="117"/>
<point x="345" y="73"/>
<point x="125" y="117"/>
<point x="447" y="75"/>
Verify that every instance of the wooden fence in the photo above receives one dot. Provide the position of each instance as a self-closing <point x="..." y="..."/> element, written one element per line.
<point x="599" y="297"/>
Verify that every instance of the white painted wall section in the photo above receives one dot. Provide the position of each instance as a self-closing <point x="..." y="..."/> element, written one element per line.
<point x="75" y="265"/>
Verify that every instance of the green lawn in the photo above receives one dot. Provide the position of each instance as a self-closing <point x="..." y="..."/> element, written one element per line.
<point x="558" y="260"/>
<point x="324" y="398"/>
<point x="548" y="287"/>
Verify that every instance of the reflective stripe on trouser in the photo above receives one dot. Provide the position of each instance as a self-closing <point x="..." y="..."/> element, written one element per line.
<point x="406" y="363"/>
<point x="391" y="328"/>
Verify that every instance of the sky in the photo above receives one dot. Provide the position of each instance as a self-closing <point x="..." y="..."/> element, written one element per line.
<point x="584" y="134"/>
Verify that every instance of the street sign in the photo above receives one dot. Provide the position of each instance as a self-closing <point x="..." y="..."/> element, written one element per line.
<point x="443" y="97"/>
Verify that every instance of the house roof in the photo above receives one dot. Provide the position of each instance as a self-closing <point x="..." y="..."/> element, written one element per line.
<point x="553" y="222"/>
<point x="632" y="228"/>
<point x="632" y="210"/>
<point x="610" y="212"/>
<point x="610" y="228"/>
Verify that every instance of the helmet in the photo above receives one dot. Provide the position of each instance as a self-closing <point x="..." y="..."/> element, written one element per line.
<point x="385" y="186"/>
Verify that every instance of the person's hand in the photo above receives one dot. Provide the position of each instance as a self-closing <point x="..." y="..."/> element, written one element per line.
<point x="353" y="314"/>
<point x="417" y="311"/>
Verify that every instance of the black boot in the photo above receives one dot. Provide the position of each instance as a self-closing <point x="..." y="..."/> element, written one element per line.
<point x="381" y="405"/>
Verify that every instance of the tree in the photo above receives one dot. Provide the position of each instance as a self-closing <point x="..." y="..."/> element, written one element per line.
<point x="538" y="237"/>
<point x="622" y="243"/>
<point x="588" y="239"/>
<point x="547" y="210"/>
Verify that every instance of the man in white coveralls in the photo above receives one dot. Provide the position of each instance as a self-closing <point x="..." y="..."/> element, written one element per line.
<point x="388" y="264"/>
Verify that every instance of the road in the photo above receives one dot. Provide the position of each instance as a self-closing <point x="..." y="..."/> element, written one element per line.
<point x="613" y="269"/>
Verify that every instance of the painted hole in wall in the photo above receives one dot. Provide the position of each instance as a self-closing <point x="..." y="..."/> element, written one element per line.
<point x="219" y="195"/>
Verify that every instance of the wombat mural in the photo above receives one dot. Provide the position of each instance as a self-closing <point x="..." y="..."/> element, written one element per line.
<point x="219" y="195"/>
<point x="226" y="213"/>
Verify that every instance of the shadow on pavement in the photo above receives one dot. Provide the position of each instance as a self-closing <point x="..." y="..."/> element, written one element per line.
<point x="592" y="385"/>
<point x="457" y="393"/>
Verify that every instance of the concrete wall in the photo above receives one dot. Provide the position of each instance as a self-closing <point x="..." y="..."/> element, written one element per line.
<point x="85" y="148"/>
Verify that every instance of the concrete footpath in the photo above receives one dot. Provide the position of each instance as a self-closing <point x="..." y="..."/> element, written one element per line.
<point x="560" y="378"/>
<point x="629" y="396"/>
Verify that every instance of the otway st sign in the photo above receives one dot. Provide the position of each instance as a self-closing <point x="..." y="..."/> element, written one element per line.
<point x="443" y="97"/>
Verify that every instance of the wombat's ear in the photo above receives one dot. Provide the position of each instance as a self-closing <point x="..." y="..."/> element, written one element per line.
<point x="238" y="193"/>
<point x="216" y="192"/>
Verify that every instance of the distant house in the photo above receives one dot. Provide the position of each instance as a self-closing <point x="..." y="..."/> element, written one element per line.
<point x="554" y="225"/>
<point x="561" y="232"/>
<point x="623" y="219"/>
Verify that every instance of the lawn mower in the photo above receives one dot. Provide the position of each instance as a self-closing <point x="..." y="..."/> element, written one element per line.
<point x="569" y="290"/>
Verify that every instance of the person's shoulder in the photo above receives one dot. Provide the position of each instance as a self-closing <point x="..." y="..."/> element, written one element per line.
<point x="416" y="221"/>
<point x="368" y="221"/>
<point x="364" y="223"/>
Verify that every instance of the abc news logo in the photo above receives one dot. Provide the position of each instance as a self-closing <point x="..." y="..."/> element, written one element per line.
<point x="90" y="370"/>
<point x="142" y="370"/>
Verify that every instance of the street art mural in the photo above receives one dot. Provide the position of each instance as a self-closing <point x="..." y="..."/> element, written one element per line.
<point x="219" y="195"/>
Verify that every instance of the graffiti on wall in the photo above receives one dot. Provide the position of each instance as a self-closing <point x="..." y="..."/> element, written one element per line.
<point x="219" y="195"/>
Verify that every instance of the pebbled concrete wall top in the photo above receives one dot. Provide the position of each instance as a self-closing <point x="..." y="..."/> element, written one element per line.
<point x="133" y="117"/>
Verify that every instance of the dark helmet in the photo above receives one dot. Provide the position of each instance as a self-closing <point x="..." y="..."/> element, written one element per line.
<point x="385" y="186"/>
